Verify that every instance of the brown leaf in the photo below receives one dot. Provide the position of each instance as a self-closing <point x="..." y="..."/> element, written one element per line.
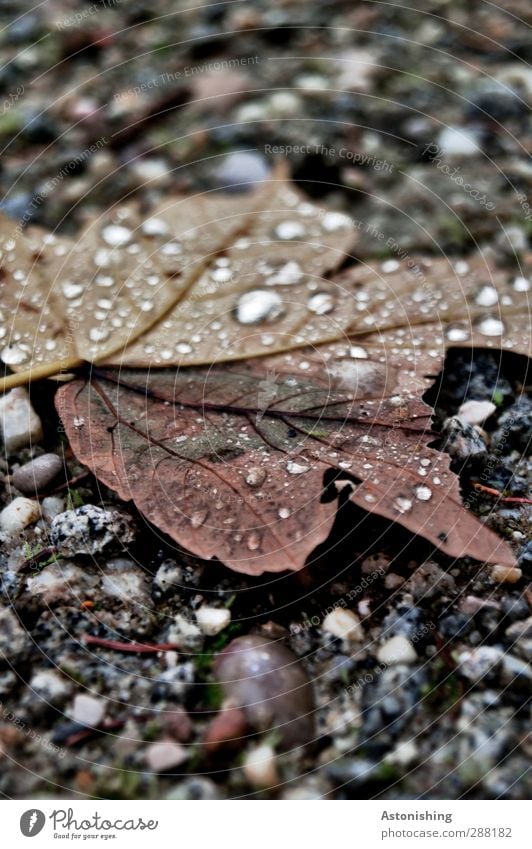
<point x="159" y="279"/>
<point x="232" y="461"/>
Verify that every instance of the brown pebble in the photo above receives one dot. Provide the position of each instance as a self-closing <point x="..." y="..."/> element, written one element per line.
<point x="226" y="729"/>
<point x="506" y="574"/>
<point x="37" y="474"/>
<point x="267" y="681"/>
<point x="178" y="725"/>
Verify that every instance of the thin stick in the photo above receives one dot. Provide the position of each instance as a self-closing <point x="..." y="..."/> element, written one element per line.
<point x="23" y="378"/>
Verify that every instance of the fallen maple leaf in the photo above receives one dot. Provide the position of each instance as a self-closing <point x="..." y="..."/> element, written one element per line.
<point x="232" y="461"/>
<point x="187" y="280"/>
<point x="211" y="279"/>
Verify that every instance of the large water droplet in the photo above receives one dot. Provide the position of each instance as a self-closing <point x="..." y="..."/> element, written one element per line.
<point x="115" y="235"/>
<point x="490" y="326"/>
<point x="258" y="305"/>
<point x="423" y="493"/>
<point x="14" y="355"/>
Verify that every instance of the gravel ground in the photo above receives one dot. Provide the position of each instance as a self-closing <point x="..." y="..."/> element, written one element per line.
<point x="419" y="665"/>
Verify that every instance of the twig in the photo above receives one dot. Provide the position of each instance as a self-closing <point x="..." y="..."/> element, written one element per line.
<point x="507" y="499"/>
<point x="137" y="648"/>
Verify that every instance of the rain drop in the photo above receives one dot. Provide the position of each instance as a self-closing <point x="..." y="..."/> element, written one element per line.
<point x="255" y="476"/>
<point x="294" y="468"/>
<point x="403" y="505"/>
<point x="258" y="305"/>
<point x="14" y="355"/>
<point x="457" y="333"/>
<point x="321" y="303"/>
<point x="154" y="227"/>
<point x="333" y="221"/>
<point x="490" y="326"/>
<point x="98" y="334"/>
<point x="115" y="235"/>
<point x="72" y="290"/>
<point x="198" y="518"/>
<point x="287" y="230"/>
<point x="487" y="296"/>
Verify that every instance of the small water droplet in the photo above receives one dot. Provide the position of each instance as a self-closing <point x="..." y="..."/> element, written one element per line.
<point x="183" y="348"/>
<point x="389" y="266"/>
<point x="403" y="505"/>
<point x="72" y="290"/>
<point x="98" y="334"/>
<point x="287" y="230"/>
<point x="283" y="512"/>
<point x="171" y="249"/>
<point x="221" y="275"/>
<point x="116" y="235"/>
<point x="321" y="303"/>
<point x="521" y="284"/>
<point x="154" y="227"/>
<point x="295" y="468"/>
<point x="423" y="493"/>
<point x="457" y="333"/>
<point x="358" y="353"/>
<point x="258" y="305"/>
<point x="253" y="541"/>
<point x="255" y="476"/>
<point x="105" y="281"/>
<point x="486" y="296"/>
<point x="198" y="518"/>
<point x="333" y="221"/>
<point x="288" y="274"/>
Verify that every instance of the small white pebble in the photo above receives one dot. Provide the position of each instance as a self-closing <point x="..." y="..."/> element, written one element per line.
<point x="260" y="767"/>
<point x="506" y="574"/>
<point x="52" y="506"/>
<point x="165" y="755"/>
<point x="476" y="412"/>
<point x="343" y="624"/>
<point x="19" y="514"/>
<point x="392" y="581"/>
<point x="20" y="424"/>
<point x="396" y="650"/>
<point x="212" y="620"/>
<point x="88" y="710"/>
